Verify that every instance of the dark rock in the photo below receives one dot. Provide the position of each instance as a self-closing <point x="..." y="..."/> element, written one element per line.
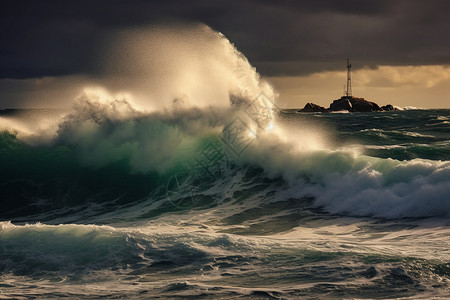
<point x="341" y="104"/>
<point x="354" y="104"/>
<point x="388" y="107"/>
<point x="311" y="107"/>
<point x="362" y="105"/>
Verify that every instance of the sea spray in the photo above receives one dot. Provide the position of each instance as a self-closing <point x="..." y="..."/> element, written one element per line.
<point x="113" y="131"/>
<point x="186" y="63"/>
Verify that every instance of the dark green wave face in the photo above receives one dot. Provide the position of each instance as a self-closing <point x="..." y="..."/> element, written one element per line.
<point x="51" y="183"/>
<point x="76" y="178"/>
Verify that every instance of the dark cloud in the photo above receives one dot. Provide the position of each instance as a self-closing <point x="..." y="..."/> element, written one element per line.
<point x="51" y="38"/>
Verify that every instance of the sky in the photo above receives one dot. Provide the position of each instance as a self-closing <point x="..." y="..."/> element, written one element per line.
<point x="399" y="49"/>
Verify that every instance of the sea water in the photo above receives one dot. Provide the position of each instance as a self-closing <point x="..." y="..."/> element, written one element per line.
<point x="207" y="203"/>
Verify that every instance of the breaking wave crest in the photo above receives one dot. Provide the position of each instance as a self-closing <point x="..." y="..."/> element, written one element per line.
<point x="157" y="146"/>
<point x="115" y="150"/>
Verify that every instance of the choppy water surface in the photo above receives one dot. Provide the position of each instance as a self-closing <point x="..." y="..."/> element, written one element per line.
<point x="172" y="205"/>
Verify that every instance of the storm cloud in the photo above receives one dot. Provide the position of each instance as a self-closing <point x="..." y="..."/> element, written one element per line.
<point x="280" y="38"/>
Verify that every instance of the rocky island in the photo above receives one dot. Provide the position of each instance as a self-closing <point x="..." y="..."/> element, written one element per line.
<point x="348" y="102"/>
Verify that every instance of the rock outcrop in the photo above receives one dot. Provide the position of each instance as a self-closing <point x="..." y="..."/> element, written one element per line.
<point x="349" y="103"/>
<point x="353" y="104"/>
<point x="389" y="107"/>
<point x="341" y="104"/>
<point x="311" y="107"/>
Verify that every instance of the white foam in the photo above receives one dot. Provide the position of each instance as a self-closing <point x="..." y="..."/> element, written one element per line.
<point x="345" y="182"/>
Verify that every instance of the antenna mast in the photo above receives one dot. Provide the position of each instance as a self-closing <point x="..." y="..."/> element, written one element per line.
<point x="348" y="91"/>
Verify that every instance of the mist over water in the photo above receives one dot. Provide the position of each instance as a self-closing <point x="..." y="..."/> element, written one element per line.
<point x="173" y="174"/>
<point x="190" y="65"/>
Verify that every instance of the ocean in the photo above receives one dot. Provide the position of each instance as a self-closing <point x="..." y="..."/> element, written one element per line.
<point x="248" y="202"/>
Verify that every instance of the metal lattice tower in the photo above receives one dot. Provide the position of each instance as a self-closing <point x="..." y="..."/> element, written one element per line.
<point x="348" y="90"/>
